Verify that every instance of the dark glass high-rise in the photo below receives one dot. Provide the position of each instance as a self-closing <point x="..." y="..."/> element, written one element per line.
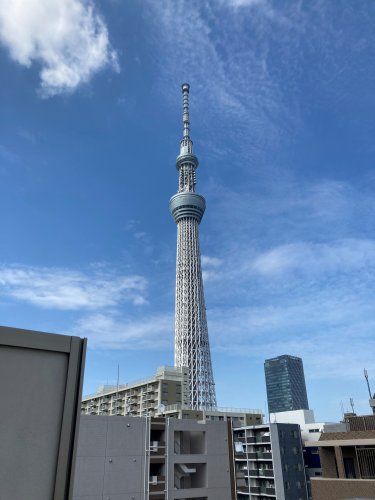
<point x="285" y="381"/>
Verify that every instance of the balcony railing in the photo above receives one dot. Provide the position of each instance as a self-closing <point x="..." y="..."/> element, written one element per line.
<point x="261" y="473"/>
<point x="259" y="455"/>
<point x="258" y="490"/>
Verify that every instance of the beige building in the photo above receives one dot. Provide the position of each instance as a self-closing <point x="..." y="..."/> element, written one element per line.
<point x="348" y="462"/>
<point x="164" y="394"/>
<point x="147" y="397"/>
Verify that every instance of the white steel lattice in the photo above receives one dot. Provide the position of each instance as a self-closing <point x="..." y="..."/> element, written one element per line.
<point x="192" y="347"/>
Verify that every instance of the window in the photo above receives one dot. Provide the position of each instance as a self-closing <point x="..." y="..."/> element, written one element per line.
<point x="286" y="467"/>
<point x="299" y="485"/>
<point x="295" y="451"/>
<point x="287" y="485"/>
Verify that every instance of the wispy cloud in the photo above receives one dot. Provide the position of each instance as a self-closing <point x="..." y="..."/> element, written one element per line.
<point x="7" y="155"/>
<point x="68" y="38"/>
<point x="108" y="331"/>
<point x="66" y="289"/>
<point x="311" y="258"/>
<point x="210" y="267"/>
<point x="319" y="326"/>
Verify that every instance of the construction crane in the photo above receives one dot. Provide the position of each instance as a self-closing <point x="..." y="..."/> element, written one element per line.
<point x="372" y="396"/>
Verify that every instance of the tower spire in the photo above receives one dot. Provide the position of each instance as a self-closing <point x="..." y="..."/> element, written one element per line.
<point x="185" y="110"/>
<point x="186" y="144"/>
<point x="192" y="348"/>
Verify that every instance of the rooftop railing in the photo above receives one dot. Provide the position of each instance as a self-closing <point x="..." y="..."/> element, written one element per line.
<point x="218" y="409"/>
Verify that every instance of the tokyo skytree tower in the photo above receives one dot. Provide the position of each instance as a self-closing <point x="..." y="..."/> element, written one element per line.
<point x="192" y="348"/>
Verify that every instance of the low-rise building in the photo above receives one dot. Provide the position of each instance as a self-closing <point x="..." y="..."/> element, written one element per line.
<point x="348" y="466"/>
<point x="269" y="462"/>
<point x="347" y="461"/>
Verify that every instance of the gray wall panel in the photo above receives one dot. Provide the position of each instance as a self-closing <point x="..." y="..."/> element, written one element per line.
<point x="89" y="475"/>
<point x="123" y="475"/>
<point x="92" y="437"/>
<point x="31" y="415"/>
<point x="125" y="436"/>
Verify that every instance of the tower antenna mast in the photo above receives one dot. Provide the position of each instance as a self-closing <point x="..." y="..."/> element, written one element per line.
<point x="192" y="347"/>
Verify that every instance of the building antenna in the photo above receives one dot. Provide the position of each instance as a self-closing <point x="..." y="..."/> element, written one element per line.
<point x="118" y="382"/>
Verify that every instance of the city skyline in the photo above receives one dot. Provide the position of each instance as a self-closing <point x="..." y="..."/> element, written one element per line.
<point x="283" y="119"/>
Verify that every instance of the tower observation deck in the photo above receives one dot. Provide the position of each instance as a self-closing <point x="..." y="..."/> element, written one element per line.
<point x="192" y="348"/>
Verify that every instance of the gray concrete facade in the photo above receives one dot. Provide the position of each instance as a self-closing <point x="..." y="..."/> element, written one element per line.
<point x="138" y="458"/>
<point x="41" y="392"/>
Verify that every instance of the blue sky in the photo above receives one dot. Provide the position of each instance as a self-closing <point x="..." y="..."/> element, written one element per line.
<point x="282" y="107"/>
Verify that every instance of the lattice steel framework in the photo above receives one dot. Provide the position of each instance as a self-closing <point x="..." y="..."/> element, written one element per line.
<point x="192" y="348"/>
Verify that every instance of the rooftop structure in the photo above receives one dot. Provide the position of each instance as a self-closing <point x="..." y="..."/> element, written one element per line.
<point x="285" y="381"/>
<point x="192" y="348"/>
<point x="239" y="416"/>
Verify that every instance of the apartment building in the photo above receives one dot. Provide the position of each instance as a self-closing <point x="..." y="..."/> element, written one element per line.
<point x="269" y="462"/>
<point x="147" y="397"/>
<point x="148" y="458"/>
<point x="347" y="461"/>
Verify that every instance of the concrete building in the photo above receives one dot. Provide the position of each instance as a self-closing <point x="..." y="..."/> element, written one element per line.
<point x="269" y="462"/>
<point x="143" y="458"/>
<point x="285" y="382"/>
<point x="145" y="397"/>
<point x="348" y="464"/>
<point x="164" y="394"/>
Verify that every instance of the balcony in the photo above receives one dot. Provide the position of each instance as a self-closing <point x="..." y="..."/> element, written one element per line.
<point x="260" y="490"/>
<point x="244" y="490"/>
<point x="157" y="448"/>
<point x="156" y="483"/>
<point x="261" y="473"/>
<point x="260" y="455"/>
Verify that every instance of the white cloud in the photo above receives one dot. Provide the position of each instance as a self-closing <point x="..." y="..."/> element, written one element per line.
<point x="67" y="38"/>
<point x="245" y="3"/>
<point x="113" y="332"/>
<point x="338" y="256"/>
<point x="56" y="288"/>
<point x="321" y="328"/>
<point x="209" y="267"/>
<point x="210" y="261"/>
